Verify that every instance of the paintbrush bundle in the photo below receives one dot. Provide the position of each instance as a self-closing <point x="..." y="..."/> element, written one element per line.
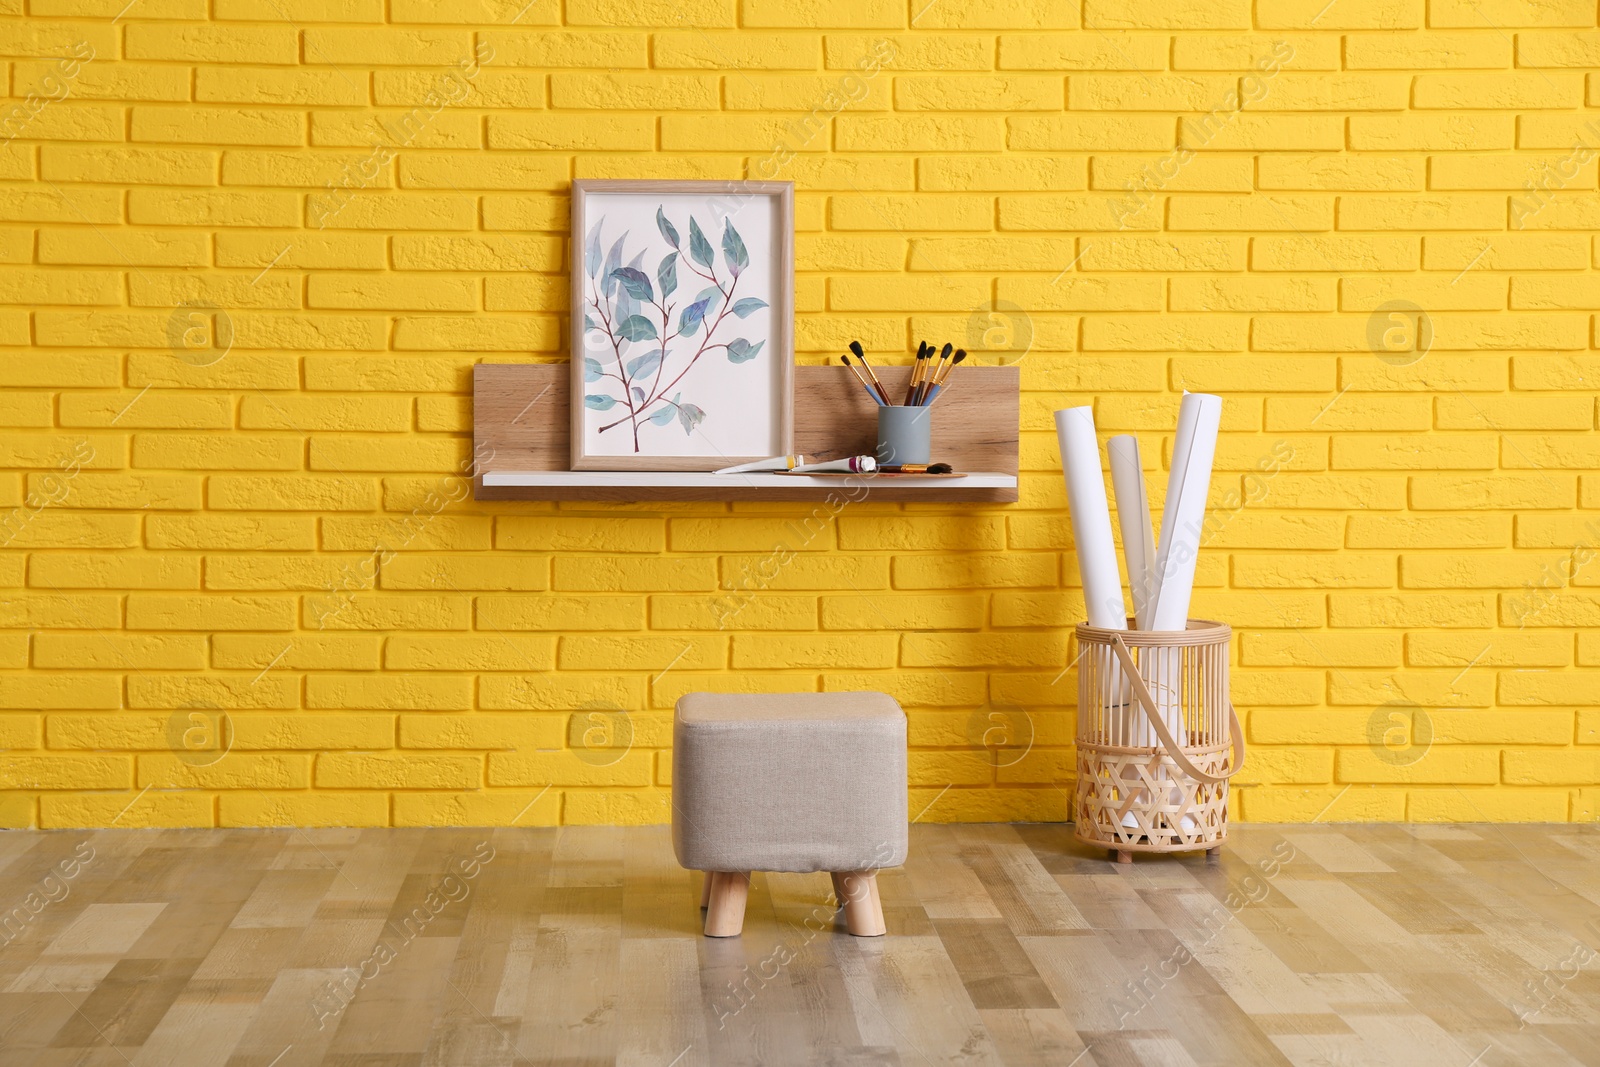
<point x="929" y="374"/>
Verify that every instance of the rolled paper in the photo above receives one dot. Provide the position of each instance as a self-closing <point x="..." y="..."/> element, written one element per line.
<point x="1184" y="511"/>
<point x="1182" y="522"/>
<point x="1139" y="550"/>
<point x="1133" y="516"/>
<point x="1091" y="519"/>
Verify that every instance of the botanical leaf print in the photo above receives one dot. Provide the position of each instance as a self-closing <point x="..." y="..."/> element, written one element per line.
<point x="689" y="415"/>
<point x="699" y="247"/>
<point x="668" y="231"/>
<point x="710" y="294"/>
<point x="733" y="250"/>
<point x="637" y="328"/>
<point x="667" y="274"/>
<point x="635" y="282"/>
<point x="645" y="364"/>
<point x="690" y="322"/>
<point x="591" y="251"/>
<point x="626" y="308"/>
<point x="613" y="260"/>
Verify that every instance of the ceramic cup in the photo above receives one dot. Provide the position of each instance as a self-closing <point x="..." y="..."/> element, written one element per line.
<point x="904" y="434"/>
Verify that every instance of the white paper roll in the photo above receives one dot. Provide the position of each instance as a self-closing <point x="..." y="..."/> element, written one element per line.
<point x="1133" y="516"/>
<point x="1184" y="511"/>
<point x="1091" y="519"/>
<point x="1182" y="522"/>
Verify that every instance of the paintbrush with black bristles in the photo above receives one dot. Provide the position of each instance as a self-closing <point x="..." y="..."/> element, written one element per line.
<point x="862" y="379"/>
<point x="931" y="378"/>
<point x="923" y="348"/>
<point x="939" y="382"/>
<point x="855" y="346"/>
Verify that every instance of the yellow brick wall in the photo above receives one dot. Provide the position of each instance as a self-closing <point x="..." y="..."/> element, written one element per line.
<point x="249" y="250"/>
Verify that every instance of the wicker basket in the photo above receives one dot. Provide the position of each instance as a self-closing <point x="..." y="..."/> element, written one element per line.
<point x="1155" y="724"/>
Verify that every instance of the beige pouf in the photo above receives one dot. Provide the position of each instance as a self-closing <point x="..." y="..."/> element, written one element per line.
<point x="796" y="782"/>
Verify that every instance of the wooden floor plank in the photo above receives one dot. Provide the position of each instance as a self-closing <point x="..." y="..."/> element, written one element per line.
<point x="1404" y="945"/>
<point x="925" y="1004"/>
<point x="1033" y="1037"/>
<point x="993" y="966"/>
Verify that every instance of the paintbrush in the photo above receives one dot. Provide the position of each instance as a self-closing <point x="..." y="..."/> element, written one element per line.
<point x="931" y="378"/>
<point x="855" y="346"/>
<point x="862" y="379"/>
<point x="916" y="372"/>
<point x="939" y="383"/>
<point x="938" y="373"/>
<point x="917" y="468"/>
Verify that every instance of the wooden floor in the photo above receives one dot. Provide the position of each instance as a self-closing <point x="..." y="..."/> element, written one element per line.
<point x="1413" y="946"/>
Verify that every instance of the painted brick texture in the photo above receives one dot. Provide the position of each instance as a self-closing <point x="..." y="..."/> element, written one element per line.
<point x="249" y="253"/>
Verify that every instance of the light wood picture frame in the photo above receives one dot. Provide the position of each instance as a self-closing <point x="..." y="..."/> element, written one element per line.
<point x="682" y="323"/>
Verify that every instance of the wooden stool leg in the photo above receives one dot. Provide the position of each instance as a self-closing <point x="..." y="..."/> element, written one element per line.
<point x="1124" y="856"/>
<point x="863" y="908"/>
<point x="877" y="903"/>
<point x="705" y="891"/>
<point x="725" y="908"/>
<point x="838" y="887"/>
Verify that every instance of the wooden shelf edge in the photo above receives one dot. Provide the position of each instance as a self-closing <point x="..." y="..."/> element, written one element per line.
<point x="895" y="490"/>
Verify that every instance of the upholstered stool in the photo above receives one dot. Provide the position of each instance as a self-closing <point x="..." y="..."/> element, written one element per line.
<point x="798" y="782"/>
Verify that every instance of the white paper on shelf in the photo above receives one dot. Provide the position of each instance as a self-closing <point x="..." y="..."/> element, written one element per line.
<point x="1091" y="519"/>
<point x="1133" y="516"/>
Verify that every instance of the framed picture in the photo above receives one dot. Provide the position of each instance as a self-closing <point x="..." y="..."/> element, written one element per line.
<point x="682" y="324"/>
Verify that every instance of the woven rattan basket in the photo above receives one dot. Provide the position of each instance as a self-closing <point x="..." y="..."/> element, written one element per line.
<point x="1155" y="724"/>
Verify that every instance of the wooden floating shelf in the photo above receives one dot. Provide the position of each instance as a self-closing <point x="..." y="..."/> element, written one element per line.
<point x="637" y="485"/>
<point x="521" y="432"/>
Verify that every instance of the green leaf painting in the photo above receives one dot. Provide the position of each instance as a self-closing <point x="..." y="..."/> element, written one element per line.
<point x="636" y="283"/>
<point x="637" y="328"/>
<point x="613" y="260"/>
<point x="591" y="251"/>
<point x="642" y="365"/>
<point x="711" y="295"/>
<point x="689" y="416"/>
<point x="699" y="247"/>
<point x="733" y="250"/>
<point x="692" y="316"/>
<point x="667" y="274"/>
<point x="668" y="231"/>
<point x="631" y="320"/>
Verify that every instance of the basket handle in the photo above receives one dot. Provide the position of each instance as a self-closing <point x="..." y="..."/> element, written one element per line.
<point x="1147" y="702"/>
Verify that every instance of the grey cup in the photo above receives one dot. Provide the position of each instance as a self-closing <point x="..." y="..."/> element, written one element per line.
<point x="904" y="434"/>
